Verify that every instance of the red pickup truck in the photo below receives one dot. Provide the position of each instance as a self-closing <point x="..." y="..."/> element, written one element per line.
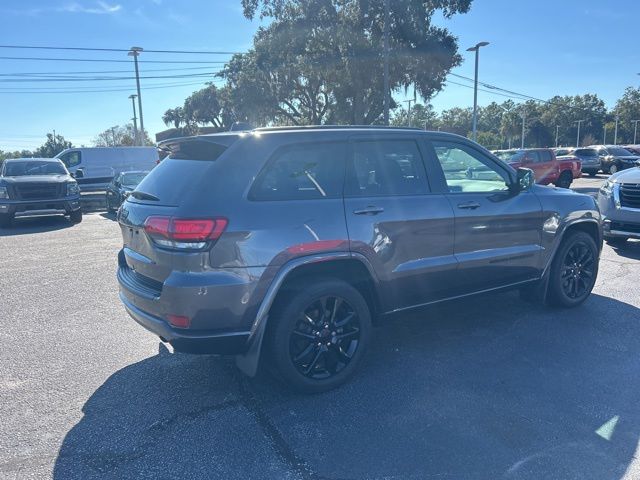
<point x="546" y="167"/>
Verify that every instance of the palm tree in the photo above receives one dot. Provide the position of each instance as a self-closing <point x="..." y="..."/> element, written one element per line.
<point x="173" y="116"/>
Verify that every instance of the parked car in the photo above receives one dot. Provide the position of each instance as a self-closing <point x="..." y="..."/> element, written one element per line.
<point x="94" y="168"/>
<point x="37" y="187"/>
<point x="634" y="149"/>
<point x="546" y="167"/>
<point x="120" y="187"/>
<point x="283" y="245"/>
<point x="588" y="157"/>
<point x="619" y="202"/>
<point x="615" y="158"/>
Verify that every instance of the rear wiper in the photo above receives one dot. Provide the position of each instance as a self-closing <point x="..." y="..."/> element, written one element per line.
<point x="143" y="196"/>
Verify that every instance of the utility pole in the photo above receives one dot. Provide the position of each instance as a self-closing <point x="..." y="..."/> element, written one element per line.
<point x="136" y="140"/>
<point x="604" y="138"/>
<point x="476" y="49"/>
<point x="524" y="114"/>
<point x="55" y="144"/>
<point x="386" y="100"/>
<point x="409" y="110"/>
<point x="557" y="128"/>
<point x="615" y="133"/>
<point x="578" y="139"/>
<point x="635" y="130"/>
<point x="134" y="52"/>
<point x="113" y="136"/>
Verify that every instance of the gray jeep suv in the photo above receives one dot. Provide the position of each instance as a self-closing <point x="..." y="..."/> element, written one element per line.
<point x="284" y="245"/>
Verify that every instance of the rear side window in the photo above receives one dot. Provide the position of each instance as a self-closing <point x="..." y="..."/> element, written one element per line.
<point x="533" y="156"/>
<point x="386" y="167"/>
<point x="302" y="172"/>
<point x="545" y="156"/>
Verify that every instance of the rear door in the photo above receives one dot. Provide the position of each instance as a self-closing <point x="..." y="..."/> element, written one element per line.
<point x="394" y="219"/>
<point x="497" y="232"/>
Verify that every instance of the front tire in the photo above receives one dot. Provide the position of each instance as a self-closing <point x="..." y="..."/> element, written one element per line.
<point x="317" y="338"/>
<point x="613" y="169"/>
<point x="574" y="270"/>
<point x="76" y="216"/>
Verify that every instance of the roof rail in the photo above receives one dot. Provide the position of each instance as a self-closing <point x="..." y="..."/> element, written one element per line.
<point x="333" y="127"/>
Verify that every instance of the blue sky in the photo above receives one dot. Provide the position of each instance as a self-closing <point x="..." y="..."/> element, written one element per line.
<point x="539" y="48"/>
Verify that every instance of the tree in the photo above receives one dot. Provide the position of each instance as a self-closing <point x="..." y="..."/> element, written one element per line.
<point x="319" y="60"/>
<point x="627" y="109"/>
<point x="120" y="136"/>
<point x="456" y="120"/>
<point x="421" y="117"/>
<point x="52" y="146"/>
<point x="174" y="116"/>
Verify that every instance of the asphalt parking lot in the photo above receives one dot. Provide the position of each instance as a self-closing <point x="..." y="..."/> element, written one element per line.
<point x="486" y="388"/>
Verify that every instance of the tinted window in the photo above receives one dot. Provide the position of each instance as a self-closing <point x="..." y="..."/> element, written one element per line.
<point x="131" y="179"/>
<point x="305" y="171"/>
<point x="619" y="152"/>
<point x="467" y="170"/>
<point x="386" y="167"/>
<point x="545" y="156"/>
<point x="533" y="156"/>
<point x="586" y="152"/>
<point x="71" y="159"/>
<point x="33" y="167"/>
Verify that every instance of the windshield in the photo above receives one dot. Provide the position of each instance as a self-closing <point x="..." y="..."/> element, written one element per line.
<point x="619" y="152"/>
<point x="509" y="155"/>
<point x="33" y="167"/>
<point x="132" y="179"/>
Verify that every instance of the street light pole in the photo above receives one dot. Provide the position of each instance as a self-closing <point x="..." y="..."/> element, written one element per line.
<point x="409" y="110"/>
<point x="578" y="139"/>
<point x="385" y="100"/>
<point x="523" y="118"/>
<point x="635" y="130"/>
<point x="135" y="120"/>
<point x="476" y="49"/>
<point x="557" y="128"/>
<point x="134" y="52"/>
<point x="615" y="133"/>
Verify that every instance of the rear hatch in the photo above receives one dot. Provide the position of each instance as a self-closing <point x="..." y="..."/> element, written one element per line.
<point x="156" y="202"/>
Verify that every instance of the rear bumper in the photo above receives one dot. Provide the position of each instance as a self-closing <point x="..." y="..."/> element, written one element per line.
<point x="221" y="305"/>
<point x="223" y="343"/>
<point x="28" y="208"/>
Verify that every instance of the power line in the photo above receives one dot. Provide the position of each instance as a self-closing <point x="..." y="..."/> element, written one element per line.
<point x="124" y="89"/>
<point x="96" y="79"/>
<point x="16" y="74"/>
<point x="109" y="60"/>
<point x="91" y="49"/>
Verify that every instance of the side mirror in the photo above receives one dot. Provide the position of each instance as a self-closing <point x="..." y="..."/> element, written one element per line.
<point x="79" y="173"/>
<point x="525" y="180"/>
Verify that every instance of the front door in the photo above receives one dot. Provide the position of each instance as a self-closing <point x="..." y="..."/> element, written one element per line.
<point x="497" y="232"/>
<point x="403" y="228"/>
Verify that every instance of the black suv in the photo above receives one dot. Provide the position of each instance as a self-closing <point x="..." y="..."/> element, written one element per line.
<point x="37" y="187"/>
<point x="284" y="245"/>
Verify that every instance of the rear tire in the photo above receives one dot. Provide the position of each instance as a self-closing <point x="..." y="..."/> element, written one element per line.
<point x="76" y="216"/>
<point x="574" y="270"/>
<point x="592" y="173"/>
<point x="110" y="209"/>
<point x="6" y="219"/>
<point x="318" y="336"/>
<point x="565" y="180"/>
<point x="613" y="169"/>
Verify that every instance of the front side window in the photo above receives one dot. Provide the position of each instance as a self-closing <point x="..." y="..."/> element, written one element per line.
<point x="545" y="156"/>
<point x="71" y="159"/>
<point x="302" y="172"/>
<point x="385" y="167"/>
<point x="533" y="157"/>
<point x="466" y="170"/>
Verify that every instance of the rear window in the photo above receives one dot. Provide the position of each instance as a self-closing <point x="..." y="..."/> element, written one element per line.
<point x="196" y="150"/>
<point x="302" y="172"/>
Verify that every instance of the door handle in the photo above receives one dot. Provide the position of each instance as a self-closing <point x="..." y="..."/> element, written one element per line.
<point x="370" y="210"/>
<point x="469" y="205"/>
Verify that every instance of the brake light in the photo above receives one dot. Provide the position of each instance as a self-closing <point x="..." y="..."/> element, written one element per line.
<point x="179" y="321"/>
<point x="185" y="233"/>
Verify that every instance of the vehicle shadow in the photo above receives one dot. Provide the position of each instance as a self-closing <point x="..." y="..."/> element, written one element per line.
<point x="631" y="249"/>
<point x="108" y="216"/>
<point x="28" y="225"/>
<point x="488" y="387"/>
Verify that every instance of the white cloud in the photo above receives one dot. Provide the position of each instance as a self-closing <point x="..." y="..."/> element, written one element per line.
<point x="99" y="8"/>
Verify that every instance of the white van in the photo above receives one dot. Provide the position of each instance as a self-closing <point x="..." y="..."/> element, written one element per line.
<point x="95" y="167"/>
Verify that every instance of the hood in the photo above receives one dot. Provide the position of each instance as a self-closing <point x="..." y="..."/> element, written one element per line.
<point x="631" y="175"/>
<point x="36" y="179"/>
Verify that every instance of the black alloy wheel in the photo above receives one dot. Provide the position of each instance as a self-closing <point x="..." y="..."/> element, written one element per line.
<point x="318" y="333"/>
<point x="325" y="337"/>
<point x="574" y="270"/>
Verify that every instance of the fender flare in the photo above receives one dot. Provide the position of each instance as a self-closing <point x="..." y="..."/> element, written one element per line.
<point x="248" y="362"/>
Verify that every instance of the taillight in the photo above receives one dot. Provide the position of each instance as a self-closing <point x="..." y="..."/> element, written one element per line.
<point x="184" y="233"/>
